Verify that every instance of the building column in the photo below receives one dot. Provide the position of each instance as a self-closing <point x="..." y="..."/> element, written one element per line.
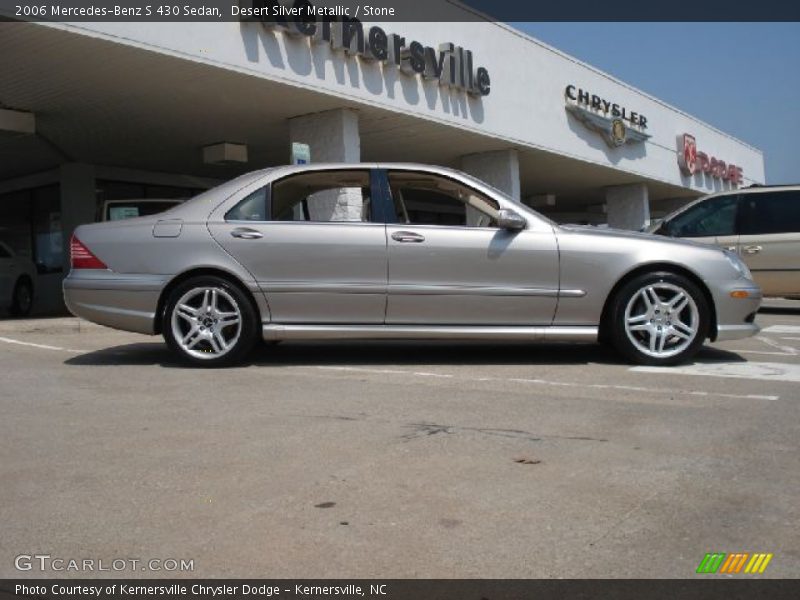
<point x="628" y="206"/>
<point x="332" y="136"/>
<point x="78" y="201"/>
<point x="499" y="169"/>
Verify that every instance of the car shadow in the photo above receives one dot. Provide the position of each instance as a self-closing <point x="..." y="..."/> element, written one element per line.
<point x="326" y="353"/>
<point x="779" y="310"/>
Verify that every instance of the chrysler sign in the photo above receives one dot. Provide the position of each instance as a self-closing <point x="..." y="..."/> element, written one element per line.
<point x="617" y="124"/>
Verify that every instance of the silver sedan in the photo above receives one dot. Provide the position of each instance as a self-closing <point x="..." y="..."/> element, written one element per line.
<point x="391" y="251"/>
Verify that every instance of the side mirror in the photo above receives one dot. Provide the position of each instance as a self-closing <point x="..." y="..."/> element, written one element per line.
<point x="511" y="220"/>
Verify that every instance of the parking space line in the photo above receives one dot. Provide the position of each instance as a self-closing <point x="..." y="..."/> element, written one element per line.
<point x="786" y="349"/>
<point x="40" y="346"/>
<point x="569" y="384"/>
<point x="766" y="371"/>
<point x="737" y="351"/>
<point x="781" y="329"/>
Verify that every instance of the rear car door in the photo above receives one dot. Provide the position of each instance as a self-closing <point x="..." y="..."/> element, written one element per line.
<point x="450" y="264"/>
<point x="311" y="243"/>
<point x="769" y="240"/>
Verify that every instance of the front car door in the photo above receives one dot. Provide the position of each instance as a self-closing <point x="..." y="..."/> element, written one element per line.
<point x="769" y="240"/>
<point x="311" y="243"/>
<point x="450" y="264"/>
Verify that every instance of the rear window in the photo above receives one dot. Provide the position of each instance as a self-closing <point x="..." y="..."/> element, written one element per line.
<point x="770" y="212"/>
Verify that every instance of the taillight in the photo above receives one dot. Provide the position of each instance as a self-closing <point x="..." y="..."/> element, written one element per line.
<point x="82" y="258"/>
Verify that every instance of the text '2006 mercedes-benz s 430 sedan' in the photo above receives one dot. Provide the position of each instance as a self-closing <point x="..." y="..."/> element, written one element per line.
<point x="397" y="251"/>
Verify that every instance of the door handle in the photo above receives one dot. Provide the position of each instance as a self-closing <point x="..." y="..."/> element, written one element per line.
<point x="246" y="233"/>
<point x="752" y="249"/>
<point x="407" y="236"/>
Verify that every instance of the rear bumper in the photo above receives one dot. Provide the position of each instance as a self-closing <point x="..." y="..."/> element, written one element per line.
<point x="126" y="302"/>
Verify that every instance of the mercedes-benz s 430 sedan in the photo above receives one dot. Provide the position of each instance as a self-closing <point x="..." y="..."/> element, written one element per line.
<point x="397" y="251"/>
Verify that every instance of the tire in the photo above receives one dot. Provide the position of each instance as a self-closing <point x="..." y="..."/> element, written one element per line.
<point x="210" y="322"/>
<point x="22" y="298"/>
<point x="659" y="318"/>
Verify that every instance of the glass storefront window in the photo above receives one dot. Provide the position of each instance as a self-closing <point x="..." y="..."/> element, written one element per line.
<point x="125" y="190"/>
<point x="47" y="237"/>
<point x="30" y="223"/>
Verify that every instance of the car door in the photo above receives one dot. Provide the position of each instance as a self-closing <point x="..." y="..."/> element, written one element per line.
<point x="769" y="240"/>
<point x="311" y="244"/>
<point x="450" y="264"/>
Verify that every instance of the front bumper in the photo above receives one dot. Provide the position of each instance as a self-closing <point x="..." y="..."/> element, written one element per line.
<point x="126" y="302"/>
<point x="736" y="315"/>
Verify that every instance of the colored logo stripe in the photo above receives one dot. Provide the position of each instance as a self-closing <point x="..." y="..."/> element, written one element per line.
<point x="758" y="564"/>
<point x="711" y="562"/>
<point x="734" y="562"/>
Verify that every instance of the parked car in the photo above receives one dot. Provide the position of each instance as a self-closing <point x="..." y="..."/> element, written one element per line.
<point x="761" y="224"/>
<point x="397" y="251"/>
<point x="17" y="275"/>
<point x="116" y="210"/>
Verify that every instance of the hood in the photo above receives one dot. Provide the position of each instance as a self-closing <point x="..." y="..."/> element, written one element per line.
<point x="625" y="234"/>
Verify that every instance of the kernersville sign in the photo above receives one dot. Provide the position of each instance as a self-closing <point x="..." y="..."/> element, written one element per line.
<point x="451" y="65"/>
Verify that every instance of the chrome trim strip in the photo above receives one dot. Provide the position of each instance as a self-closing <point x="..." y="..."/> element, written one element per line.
<point x="274" y="331"/>
<point x="300" y="287"/>
<point x="409" y="289"/>
<point x="135" y="283"/>
<point x="403" y="289"/>
<point x="572" y="293"/>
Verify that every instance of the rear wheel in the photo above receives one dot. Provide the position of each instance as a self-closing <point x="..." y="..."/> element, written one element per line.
<point x="210" y="322"/>
<point x="659" y="319"/>
<point x="22" y="300"/>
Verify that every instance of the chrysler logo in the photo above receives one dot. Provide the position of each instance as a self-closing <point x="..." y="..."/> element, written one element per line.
<point x="614" y="131"/>
<point x="615" y="123"/>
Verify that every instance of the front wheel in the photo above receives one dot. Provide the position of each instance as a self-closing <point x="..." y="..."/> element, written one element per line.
<point x="210" y="322"/>
<point x="659" y="319"/>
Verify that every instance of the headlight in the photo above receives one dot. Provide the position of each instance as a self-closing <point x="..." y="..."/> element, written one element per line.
<point x="738" y="264"/>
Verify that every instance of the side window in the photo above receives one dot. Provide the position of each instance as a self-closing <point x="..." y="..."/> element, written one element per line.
<point x="770" y="212"/>
<point x="252" y="208"/>
<point x="322" y="196"/>
<point x="424" y="199"/>
<point x="715" y="216"/>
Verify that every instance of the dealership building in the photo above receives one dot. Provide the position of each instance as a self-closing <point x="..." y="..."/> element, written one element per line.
<point x="98" y="111"/>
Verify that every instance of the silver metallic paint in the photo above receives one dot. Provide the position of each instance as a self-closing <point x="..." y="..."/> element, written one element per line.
<point x="351" y="279"/>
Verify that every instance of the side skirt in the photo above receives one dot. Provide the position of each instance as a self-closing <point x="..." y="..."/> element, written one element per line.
<point x="273" y="331"/>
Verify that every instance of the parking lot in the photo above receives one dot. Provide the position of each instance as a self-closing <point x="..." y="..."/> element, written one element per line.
<point x="398" y="459"/>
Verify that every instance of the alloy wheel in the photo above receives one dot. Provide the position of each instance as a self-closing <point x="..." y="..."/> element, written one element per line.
<point x="661" y="319"/>
<point x="206" y="322"/>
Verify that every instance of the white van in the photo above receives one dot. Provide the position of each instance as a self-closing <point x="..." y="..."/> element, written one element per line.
<point x="760" y="223"/>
